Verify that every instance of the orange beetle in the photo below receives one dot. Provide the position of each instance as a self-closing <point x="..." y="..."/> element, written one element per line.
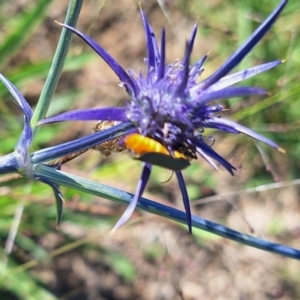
<point x="151" y="151"/>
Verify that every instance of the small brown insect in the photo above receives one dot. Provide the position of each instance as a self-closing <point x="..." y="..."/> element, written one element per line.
<point x="114" y="145"/>
<point x="106" y="148"/>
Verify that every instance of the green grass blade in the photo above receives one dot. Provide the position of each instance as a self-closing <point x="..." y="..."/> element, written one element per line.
<point x="19" y="36"/>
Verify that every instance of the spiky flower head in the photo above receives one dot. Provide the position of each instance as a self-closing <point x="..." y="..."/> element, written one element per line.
<point x="170" y="107"/>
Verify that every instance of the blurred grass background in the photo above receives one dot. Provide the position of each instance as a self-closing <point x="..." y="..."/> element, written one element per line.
<point x="152" y="258"/>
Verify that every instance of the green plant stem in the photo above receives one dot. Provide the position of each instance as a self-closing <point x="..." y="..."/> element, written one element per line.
<point x="57" y="65"/>
<point x="98" y="189"/>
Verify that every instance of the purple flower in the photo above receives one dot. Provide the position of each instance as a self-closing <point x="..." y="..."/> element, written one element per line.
<point x="169" y="107"/>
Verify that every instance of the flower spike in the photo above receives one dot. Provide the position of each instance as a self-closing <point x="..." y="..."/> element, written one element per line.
<point x="26" y="136"/>
<point x="190" y="45"/>
<point x="239" y="55"/>
<point x="153" y="59"/>
<point x="104" y="114"/>
<point x="139" y="191"/>
<point x="243" y="75"/>
<point x="186" y="68"/>
<point x="186" y="201"/>
<point x="237" y="91"/>
<point x="161" y="70"/>
<point x="120" y="72"/>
